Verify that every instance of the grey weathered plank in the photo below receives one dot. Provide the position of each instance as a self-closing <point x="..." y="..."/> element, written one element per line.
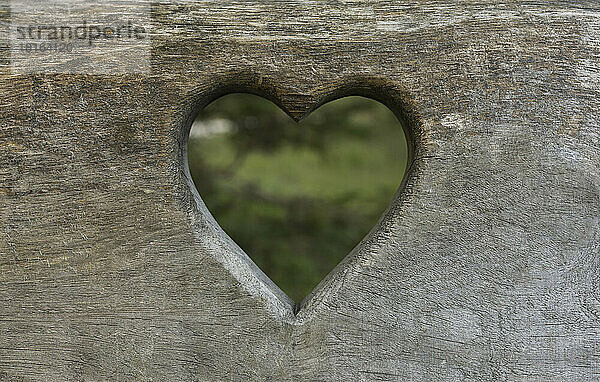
<point x="485" y="267"/>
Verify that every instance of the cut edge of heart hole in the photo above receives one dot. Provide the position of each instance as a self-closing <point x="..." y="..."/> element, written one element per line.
<point x="231" y="256"/>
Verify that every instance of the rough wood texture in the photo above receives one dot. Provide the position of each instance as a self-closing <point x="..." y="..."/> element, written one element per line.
<point x="484" y="268"/>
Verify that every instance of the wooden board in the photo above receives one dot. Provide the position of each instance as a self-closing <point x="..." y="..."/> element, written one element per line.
<point x="485" y="267"/>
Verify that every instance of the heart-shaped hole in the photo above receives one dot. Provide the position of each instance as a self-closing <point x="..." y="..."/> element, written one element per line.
<point x="297" y="197"/>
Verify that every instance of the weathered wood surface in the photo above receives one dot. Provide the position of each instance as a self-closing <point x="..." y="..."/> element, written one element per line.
<point x="484" y="268"/>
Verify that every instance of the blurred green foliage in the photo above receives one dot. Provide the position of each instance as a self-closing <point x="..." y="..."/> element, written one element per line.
<point x="297" y="197"/>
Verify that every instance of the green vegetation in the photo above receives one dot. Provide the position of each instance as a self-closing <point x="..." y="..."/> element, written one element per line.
<point x="296" y="197"/>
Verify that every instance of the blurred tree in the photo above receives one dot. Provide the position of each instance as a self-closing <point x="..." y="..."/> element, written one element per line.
<point x="297" y="197"/>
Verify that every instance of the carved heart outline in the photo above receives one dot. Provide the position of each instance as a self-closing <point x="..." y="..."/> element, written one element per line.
<point x="297" y="106"/>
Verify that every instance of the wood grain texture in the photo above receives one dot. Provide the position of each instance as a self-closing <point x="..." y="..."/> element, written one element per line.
<point x="484" y="268"/>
